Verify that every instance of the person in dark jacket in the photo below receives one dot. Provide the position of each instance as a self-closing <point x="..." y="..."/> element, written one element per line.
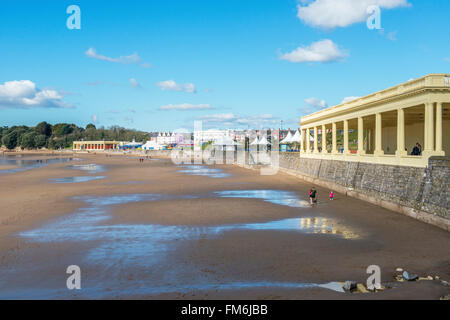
<point x="417" y="150"/>
<point x="312" y="195"/>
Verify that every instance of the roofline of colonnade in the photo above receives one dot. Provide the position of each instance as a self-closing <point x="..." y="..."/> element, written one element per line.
<point x="430" y="82"/>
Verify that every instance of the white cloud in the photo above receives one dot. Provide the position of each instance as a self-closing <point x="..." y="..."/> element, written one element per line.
<point x="134" y="83"/>
<point x="316" y="103"/>
<point x="94" y="83"/>
<point x="25" y="94"/>
<point x="231" y="120"/>
<point x="117" y="111"/>
<point x="348" y="99"/>
<point x="320" y="51"/>
<point x="189" y="87"/>
<point x="313" y="105"/>
<point x="220" y="117"/>
<point x="94" y="118"/>
<point x="171" y="85"/>
<point x="329" y="14"/>
<point x="131" y="59"/>
<point x="392" y="36"/>
<point x="146" y="65"/>
<point x="185" y="106"/>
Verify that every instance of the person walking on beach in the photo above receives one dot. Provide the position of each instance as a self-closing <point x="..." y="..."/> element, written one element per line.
<point x="312" y="195"/>
<point x="331" y="195"/>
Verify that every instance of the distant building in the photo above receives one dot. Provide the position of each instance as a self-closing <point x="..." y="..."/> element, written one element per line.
<point x="95" y="145"/>
<point x="152" y="145"/>
<point x="211" y="135"/>
<point x="239" y="136"/>
<point x="167" y="138"/>
<point x="130" y="145"/>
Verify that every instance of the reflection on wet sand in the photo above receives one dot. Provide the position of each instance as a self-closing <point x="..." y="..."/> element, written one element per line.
<point x="90" y="168"/>
<point x="307" y="225"/>
<point x="281" y="197"/>
<point x="84" y="224"/>
<point x="25" y="163"/>
<point x="141" y="246"/>
<point x="204" y="171"/>
<point x="78" y="179"/>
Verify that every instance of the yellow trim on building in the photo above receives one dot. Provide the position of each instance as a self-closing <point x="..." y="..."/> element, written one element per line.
<point x="387" y="122"/>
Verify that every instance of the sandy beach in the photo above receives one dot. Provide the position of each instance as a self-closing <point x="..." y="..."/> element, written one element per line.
<point x="7" y="167"/>
<point x="151" y="231"/>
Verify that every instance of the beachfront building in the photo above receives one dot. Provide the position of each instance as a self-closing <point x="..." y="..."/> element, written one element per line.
<point x="168" y="138"/>
<point x="152" y="145"/>
<point x="132" y="146"/>
<point x="225" y="144"/>
<point x="384" y="127"/>
<point x="163" y="138"/>
<point x="202" y="136"/>
<point x="239" y="135"/>
<point x="95" y="145"/>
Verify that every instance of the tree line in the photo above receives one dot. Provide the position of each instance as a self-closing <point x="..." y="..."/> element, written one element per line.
<point x="62" y="135"/>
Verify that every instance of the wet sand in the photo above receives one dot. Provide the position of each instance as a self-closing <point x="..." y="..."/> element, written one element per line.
<point x="5" y="167"/>
<point x="187" y="241"/>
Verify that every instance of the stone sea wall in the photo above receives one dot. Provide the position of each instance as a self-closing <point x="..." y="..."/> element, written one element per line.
<point x="422" y="193"/>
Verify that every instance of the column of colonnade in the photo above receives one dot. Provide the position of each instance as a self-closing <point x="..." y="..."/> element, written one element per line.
<point x="401" y="147"/>
<point x="334" y="138"/>
<point x="433" y="129"/>
<point x="361" y="150"/>
<point x="378" y="135"/>
<point x="316" y="138"/>
<point x="308" y="140"/>
<point x="433" y="144"/>
<point x="324" y="139"/>
<point x="305" y="145"/>
<point x="439" y="127"/>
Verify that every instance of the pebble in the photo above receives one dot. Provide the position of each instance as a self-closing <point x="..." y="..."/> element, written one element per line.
<point x="409" y="276"/>
<point x="349" y="286"/>
<point x="361" y="288"/>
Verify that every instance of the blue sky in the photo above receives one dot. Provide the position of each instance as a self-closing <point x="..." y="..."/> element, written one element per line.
<point x="160" y="65"/>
